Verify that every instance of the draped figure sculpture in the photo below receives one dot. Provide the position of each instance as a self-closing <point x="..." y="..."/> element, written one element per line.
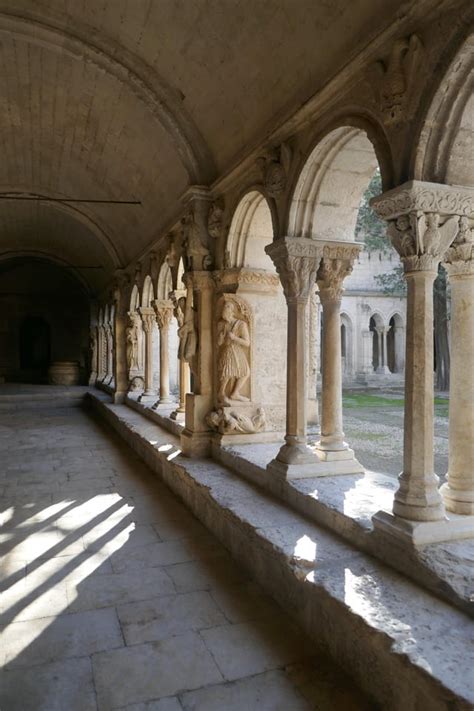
<point x="132" y="341"/>
<point x="233" y="369"/>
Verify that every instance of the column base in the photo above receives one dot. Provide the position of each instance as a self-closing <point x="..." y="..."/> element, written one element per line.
<point x="458" y="501"/>
<point x="178" y="415"/>
<point x="420" y="533"/>
<point x="196" y="444"/>
<point x="146" y="397"/>
<point x="162" y="403"/>
<point x="314" y="466"/>
<point x="383" y="370"/>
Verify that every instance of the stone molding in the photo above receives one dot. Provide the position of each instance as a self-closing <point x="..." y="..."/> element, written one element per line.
<point x="259" y="279"/>
<point x="163" y="312"/>
<point x="420" y="196"/>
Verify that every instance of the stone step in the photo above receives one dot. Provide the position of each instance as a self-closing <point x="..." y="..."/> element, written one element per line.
<point x="402" y="645"/>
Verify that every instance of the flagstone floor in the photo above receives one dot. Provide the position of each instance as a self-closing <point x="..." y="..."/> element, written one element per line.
<point x="113" y="596"/>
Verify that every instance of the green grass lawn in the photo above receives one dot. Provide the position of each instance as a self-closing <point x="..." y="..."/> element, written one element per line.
<point x="362" y="400"/>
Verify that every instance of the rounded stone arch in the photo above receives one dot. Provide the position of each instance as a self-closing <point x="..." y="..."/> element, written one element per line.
<point x="43" y="257"/>
<point x="251" y="230"/>
<point x="134" y="298"/>
<point x="397" y="319"/>
<point x="378" y="318"/>
<point x="148" y="292"/>
<point x="443" y="148"/>
<point x="159" y="98"/>
<point x="330" y="184"/>
<point x="165" y="281"/>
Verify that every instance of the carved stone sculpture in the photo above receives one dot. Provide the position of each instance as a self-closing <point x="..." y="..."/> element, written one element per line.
<point x="186" y="330"/>
<point x="214" y="220"/>
<point x="393" y="79"/>
<point x="233" y="340"/>
<point x="132" y="341"/>
<point x="233" y="422"/>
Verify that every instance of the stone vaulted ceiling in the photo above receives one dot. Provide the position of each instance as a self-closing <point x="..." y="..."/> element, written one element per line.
<point x="137" y="99"/>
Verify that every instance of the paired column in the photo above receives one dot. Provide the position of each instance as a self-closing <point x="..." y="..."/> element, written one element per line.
<point x="423" y="222"/>
<point x="458" y="492"/>
<point x="164" y="312"/>
<point x="335" y="266"/>
<point x="148" y="320"/>
<point x="296" y="261"/>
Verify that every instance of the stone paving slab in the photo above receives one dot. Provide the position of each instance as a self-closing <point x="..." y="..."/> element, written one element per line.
<point x="380" y="624"/>
<point x="98" y="612"/>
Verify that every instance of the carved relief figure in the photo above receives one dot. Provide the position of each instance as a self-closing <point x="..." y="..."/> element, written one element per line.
<point x="186" y="330"/>
<point x="236" y="423"/>
<point x="233" y="339"/>
<point x="132" y="341"/>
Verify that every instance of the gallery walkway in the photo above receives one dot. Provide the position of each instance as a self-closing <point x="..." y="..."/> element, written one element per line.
<point x="115" y="597"/>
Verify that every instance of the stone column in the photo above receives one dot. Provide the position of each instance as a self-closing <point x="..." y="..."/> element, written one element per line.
<point x="148" y="319"/>
<point x="296" y="261"/>
<point x="458" y="492"/>
<point x="423" y="222"/>
<point x="164" y="312"/>
<point x="197" y="329"/>
<point x="336" y="265"/>
<point x="313" y="325"/>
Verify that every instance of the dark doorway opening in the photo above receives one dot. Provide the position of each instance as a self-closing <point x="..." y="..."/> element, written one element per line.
<point x="35" y="348"/>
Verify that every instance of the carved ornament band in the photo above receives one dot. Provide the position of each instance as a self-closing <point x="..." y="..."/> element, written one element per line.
<point x="418" y="196"/>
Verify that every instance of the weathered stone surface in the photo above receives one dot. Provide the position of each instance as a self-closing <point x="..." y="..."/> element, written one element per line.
<point x="168" y="616"/>
<point x="153" y="670"/>
<point x="351" y="604"/>
<point x="61" y="685"/>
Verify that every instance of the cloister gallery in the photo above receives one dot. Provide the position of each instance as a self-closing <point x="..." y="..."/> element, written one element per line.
<point x="189" y="278"/>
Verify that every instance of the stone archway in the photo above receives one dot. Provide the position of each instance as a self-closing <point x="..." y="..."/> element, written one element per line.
<point x="251" y="275"/>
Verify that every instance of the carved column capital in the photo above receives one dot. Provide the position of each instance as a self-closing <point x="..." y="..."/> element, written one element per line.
<point x="459" y="258"/>
<point x="336" y="264"/>
<point x="424" y="220"/>
<point x="163" y="312"/>
<point x="148" y="318"/>
<point x="296" y="260"/>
